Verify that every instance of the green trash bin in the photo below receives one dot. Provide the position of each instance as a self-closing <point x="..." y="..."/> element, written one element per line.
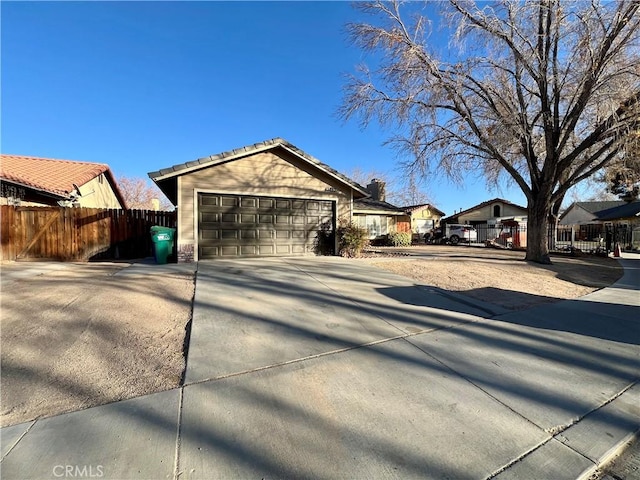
<point x="162" y="238"/>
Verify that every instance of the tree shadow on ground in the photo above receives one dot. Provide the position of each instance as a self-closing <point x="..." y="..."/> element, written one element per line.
<point x="258" y="304"/>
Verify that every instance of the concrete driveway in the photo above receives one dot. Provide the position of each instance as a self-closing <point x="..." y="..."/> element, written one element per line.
<point x="328" y="368"/>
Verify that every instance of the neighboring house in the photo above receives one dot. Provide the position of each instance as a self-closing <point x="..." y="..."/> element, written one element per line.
<point x="582" y="213"/>
<point x="627" y="213"/>
<point x="376" y="215"/>
<point x="34" y="181"/>
<point x="594" y="220"/>
<point x="266" y="199"/>
<point x="424" y="217"/>
<point x="488" y="218"/>
<point x="487" y="213"/>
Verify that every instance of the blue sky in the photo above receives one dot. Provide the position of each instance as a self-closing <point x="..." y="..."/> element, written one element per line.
<point x="146" y="85"/>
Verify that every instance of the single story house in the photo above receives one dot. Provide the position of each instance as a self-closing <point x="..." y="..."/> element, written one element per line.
<point x="490" y="218"/>
<point x="627" y="213"/>
<point x="378" y="216"/>
<point x="266" y="199"/>
<point x="35" y="181"/>
<point x="610" y="221"/>
<point x="487" y="213"/>
<point x="581" y="213"/>
<point x="424" y="217"/>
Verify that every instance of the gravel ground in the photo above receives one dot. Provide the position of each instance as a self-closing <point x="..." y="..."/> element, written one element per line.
<point x="89" y="334"/>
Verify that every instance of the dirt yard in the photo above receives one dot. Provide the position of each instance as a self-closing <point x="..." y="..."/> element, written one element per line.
<point x="89" y="334"/>
<point x="500" y="277"/>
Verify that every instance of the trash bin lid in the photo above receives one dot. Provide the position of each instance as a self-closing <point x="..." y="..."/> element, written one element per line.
<point x="157" y="229"/>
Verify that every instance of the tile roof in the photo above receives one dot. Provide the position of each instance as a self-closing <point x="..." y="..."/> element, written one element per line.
<point x="47" y="174"/>
<point x="183" y="168"/>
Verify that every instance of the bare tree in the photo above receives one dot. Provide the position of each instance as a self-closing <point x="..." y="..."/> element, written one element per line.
<point x="622" y="176"/>
<point x="364" y="176"/>
<point x="538" y="92"/>
<point x="139" y="194"/>
<point x="401" y="190"/>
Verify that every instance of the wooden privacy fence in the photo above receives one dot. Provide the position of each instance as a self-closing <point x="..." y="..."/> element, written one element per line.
<point x="77" y="234"/>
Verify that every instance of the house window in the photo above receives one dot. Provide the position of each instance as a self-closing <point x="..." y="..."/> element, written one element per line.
<point x="376" y="225"/>
<point x="496" y="210"/>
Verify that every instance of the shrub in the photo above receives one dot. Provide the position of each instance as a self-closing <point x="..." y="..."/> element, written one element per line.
<point x="352" y="239"/>
<point x="381" y="241"/>
<point x="324" y="243"/>
<point x="400" y="239"/>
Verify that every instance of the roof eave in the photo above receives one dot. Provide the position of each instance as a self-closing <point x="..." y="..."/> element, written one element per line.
<point x="380" y="212"/>
<point x="205" y="162"/>
<point x="40" y="190"/>
<point x="356" y="187"/>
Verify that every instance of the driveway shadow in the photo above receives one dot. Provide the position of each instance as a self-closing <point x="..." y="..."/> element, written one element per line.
<point x="607" y="321"/>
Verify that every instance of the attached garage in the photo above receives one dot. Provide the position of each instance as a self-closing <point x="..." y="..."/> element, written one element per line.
<point x="248" y="225"/>
<point x="266" y="199"/>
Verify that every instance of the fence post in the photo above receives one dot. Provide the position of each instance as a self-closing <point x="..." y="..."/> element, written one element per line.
<point x="573" y="235"/>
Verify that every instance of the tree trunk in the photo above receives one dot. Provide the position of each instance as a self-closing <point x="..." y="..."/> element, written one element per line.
<point x="537" y="227"/>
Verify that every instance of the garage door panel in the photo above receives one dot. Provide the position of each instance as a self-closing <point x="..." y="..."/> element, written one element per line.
<point x="229" y="201"/>
<point x="235" y="225"/>
<point x="210" y="234"/>
<point x="229" y="234"/>
<point x="247" y="202"/>
<point x="283" y="249"/>
<point x="248" y="234"/>
<point x="229" y="250"/>
<point x="265" y="234"/>
<point x="209" y="252"/>
<point x="249" y="250"/>
<point x="209" y="217"/>
<point x="298" y="249"/>
<point x="209" y="200"/>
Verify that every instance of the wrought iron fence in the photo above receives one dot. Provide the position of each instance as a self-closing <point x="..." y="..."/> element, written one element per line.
<point x="592" y="238"/>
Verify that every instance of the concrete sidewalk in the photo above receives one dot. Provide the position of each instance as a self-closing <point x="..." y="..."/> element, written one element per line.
<point x="326" y="368"/>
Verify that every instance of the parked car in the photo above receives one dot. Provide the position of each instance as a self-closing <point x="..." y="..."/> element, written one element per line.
<point x="457" y="233"/>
